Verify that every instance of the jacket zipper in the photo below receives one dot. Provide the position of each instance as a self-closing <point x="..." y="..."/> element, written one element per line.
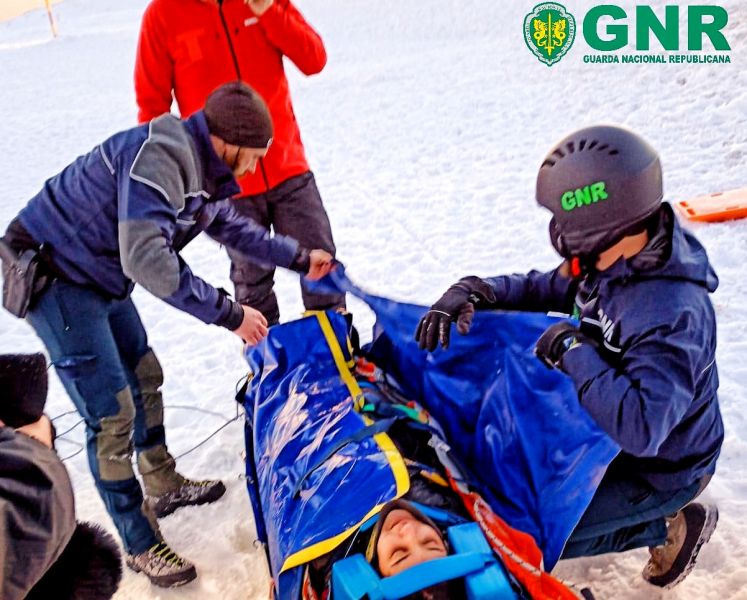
<point x="264" y="174"/>
<point x="228" y="38"/>
<point x="238" y="75"/>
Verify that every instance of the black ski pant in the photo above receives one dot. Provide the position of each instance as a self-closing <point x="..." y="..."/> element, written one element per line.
<point x="293" y="208"/>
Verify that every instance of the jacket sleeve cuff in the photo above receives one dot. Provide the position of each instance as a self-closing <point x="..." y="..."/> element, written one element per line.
<point x="273" y="17"/>
<point x="302" y="261"/>
<point x="583" y="364"/>
<point x="283" y="251"/>
<point x="231" y="319"/>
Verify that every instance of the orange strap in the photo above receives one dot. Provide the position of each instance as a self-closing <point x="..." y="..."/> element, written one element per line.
<point x="307" y="590"/>
<point x="519" y="551"/>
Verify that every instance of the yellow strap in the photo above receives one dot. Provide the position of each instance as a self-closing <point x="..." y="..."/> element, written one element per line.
<point x="397" y="464"/>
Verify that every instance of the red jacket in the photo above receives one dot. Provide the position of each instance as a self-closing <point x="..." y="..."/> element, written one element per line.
<point x="184" y="48"/>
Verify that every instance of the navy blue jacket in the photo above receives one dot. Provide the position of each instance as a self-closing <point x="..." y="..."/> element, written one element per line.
<point x="650" y="380"/>
<point x="120" y="214"/>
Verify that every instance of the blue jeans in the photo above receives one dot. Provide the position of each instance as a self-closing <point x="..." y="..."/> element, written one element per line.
<point x="101" y="354"/>
<point x="625" y="513"/>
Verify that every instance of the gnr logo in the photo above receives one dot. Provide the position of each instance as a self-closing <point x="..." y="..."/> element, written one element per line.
<point x="606" y="27"/>
<point x="549" y="31"/>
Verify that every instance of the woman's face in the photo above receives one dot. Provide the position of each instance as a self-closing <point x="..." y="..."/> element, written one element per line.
<point x="404" y="541"/>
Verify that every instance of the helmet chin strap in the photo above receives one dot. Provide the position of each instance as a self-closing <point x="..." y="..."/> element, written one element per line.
<point x="576" y="269"/>
<point x="581" y="266"/>
<point x="578" y="265"/>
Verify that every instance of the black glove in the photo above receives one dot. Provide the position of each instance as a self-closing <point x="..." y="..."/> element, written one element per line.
<point x="457" y="304"/>
<point x="556" y="340"/>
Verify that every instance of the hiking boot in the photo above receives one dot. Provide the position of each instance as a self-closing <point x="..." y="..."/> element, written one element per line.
<point x="164" y="567"/>
<point x="687" y="530"/>
<point x="188" y="494"/>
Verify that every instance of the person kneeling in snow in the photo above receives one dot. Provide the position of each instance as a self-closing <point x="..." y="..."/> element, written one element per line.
<point x="44" y="553"/>
<point x="117" y="216"/>
<point x="643" y="356"/>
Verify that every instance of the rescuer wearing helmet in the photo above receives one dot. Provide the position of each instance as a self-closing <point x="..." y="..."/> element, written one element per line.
<point x="641" y="353"/>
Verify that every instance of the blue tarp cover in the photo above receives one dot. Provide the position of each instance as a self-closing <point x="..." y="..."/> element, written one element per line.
<point x="516" y="426"/>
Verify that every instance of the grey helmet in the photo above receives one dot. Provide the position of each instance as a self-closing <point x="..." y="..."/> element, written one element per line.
<point x="600" y="183"/>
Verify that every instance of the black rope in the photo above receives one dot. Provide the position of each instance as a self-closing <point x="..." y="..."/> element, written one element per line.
<point x="68" y="430"/>
<point x="212" y="413"/>
<point x="222" y="427"/>
<point x="81" y="447"/>
<point x="68" y="412"/>
<point x="239" y="384"/>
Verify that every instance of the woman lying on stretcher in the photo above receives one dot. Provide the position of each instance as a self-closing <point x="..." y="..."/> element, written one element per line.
<point x="440" y="540"/>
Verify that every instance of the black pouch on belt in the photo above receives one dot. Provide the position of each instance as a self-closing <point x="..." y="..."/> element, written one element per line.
<point x="23" y="278"/>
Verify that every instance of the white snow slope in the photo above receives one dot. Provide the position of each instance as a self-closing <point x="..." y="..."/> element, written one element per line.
<point x="425" y="132"/>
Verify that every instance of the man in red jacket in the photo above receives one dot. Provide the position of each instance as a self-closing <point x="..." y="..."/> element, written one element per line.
<point x="188" y="48"/>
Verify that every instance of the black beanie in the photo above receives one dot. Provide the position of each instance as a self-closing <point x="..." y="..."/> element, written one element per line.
<point x="238" y="115"/>
<point x="23" y="388"/>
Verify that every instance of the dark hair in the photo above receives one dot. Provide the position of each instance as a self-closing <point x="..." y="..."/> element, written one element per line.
<point x="448" y="590"/>
<point x="23" y="388"/>
<point x="372" y="553"/>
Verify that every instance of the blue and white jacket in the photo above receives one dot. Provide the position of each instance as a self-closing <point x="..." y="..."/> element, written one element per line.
<point x="120" y="214"/>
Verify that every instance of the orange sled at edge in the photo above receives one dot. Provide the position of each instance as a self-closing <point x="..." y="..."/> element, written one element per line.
<point x="722" y="206"/>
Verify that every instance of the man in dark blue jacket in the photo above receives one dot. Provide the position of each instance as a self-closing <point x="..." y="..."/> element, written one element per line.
<point x="117" y="216"/>
<point x="643" y="355"/>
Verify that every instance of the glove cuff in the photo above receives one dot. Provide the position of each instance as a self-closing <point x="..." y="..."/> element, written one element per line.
<point x="481" y="294"/>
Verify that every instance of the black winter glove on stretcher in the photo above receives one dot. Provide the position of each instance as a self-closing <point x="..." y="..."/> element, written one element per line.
<point x="457" y="304"/>
<point x="556" y="341"/>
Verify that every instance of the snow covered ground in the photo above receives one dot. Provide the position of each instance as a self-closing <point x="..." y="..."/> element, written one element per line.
<point x="425" y="132"/>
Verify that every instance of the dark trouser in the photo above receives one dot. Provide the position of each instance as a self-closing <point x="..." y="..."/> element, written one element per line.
<point x="101" y="354"/>
<point x="293" y="208"/>
<point x="625" y="513"/>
